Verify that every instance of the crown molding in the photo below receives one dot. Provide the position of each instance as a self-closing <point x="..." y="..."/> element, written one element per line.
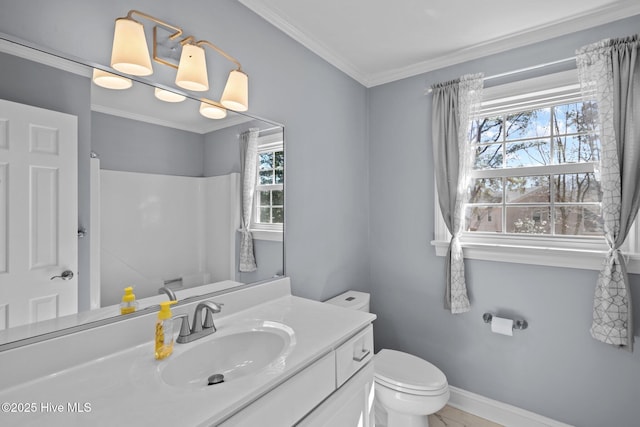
<point x="578" y="22"/>
<point x="42" y="57"/>
<point x="512" y="41"/>
<point x="142" y="118"/>
<point x="202" y="129"/>
<point x="214" y="125"/>
<point x="315" y="46"/>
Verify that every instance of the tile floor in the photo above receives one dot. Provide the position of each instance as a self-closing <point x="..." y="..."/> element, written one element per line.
<point x="452" y="417"/>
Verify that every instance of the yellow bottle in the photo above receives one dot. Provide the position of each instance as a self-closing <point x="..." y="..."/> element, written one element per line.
<point x="129" y="303"/>
<point x="164" y="331"/>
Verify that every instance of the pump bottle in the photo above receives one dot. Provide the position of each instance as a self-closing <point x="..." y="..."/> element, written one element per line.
<point x="164" y="331"/>
<point x="129" y="303"/>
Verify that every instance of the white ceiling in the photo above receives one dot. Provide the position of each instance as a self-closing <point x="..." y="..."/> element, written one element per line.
<point x="376" y="41"/>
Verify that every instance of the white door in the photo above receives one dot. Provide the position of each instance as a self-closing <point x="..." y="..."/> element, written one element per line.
<point x="38" y="214"/>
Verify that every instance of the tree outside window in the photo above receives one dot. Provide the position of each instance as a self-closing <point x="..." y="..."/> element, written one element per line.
<point x="269" y="206"/>
<point x="535" y="172"/>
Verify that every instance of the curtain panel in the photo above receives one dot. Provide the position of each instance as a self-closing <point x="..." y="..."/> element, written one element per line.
<point x="454" y="104"/>
<point x="248" y="165"/>
<point x="609" y="72"/>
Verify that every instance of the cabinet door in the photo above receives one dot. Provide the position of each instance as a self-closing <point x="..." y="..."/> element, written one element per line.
<point x="290" y="401"/>
<point x="349" y="406"/>
<point x="353" y="355"/>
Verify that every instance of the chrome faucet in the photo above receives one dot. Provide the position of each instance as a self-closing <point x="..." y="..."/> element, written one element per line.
<point x="199" y="328"/>
<point x="172" y="295"/>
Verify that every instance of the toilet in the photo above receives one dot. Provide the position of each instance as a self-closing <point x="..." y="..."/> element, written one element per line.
<point x="407" y="388"/>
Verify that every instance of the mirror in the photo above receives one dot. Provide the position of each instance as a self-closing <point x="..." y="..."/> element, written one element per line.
<point x="158" y="202"/>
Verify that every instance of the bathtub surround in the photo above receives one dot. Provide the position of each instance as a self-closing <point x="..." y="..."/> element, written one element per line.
<point x="142" y="247"/>
<point x="381" y="180"/>
<point x="127" y="145"/>
<point x="609" y="70"/>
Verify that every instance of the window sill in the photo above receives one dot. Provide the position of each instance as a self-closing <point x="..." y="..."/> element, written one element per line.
<point x="548" y="255"/>
<point x="270" y="235"/>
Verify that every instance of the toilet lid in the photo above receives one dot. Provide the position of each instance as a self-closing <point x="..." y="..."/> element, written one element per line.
<point x="408" y="371"/>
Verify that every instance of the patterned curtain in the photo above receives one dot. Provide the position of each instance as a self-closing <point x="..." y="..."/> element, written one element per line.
<point x="454" y="104"/>
<point x="610" y="73"/>
<point x="248" y="164"/>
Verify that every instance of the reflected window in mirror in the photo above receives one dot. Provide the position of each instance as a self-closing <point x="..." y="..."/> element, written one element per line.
<point x="268" y="214"/>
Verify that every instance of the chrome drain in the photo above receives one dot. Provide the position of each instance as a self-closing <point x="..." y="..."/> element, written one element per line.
<point x="215" y="379"/>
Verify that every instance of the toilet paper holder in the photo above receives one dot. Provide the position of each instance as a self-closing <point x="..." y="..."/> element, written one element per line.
<point x="517" y="323"/>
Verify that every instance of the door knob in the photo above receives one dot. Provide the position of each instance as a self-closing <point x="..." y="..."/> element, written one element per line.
<point x="66" y="275"/>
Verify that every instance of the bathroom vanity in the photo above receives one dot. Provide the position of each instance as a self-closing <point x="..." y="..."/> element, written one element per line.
<point x="285" y="360"/>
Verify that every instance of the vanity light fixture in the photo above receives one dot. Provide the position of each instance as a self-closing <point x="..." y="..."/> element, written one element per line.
<point x="236" y="91"/>
<point x="110" y="80"/>
<point x="168" y="96"/>
<point x="192" y="70"/>
<point x="129" y="52"/>
<point x="212" y="110"/>
<point x="130" y="55"/>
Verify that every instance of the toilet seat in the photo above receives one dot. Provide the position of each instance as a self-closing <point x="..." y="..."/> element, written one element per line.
<point x="411" y="391"/>
<point x="409" y="374"/>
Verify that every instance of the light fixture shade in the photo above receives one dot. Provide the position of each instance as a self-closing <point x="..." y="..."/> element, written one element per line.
<point x="192" y="69"/>
<point x="168" y="96"/>
<point x="130" y="53"/>
<point x="236" y="92"/>
<point x="110" y="80"/>
<point x="211" y="111"/>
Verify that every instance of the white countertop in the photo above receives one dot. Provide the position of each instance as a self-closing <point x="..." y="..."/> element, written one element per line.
<point x="125" y="388"/>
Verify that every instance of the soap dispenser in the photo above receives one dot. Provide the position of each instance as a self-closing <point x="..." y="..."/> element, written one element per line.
<point x="164" y="331"/>
<point x="129" y="303"/>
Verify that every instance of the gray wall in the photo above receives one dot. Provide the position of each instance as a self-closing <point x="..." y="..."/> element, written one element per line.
<point x="269" y="259"/>
<point x="134" y="146"/>
<point x="323" y="111"/>
<point x="553" y="368"/>
<point x="35" y="84"/>
<point x="222" y="150"/>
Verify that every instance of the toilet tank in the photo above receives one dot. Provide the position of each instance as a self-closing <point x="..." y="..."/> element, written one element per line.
<point x="353" y="300"/>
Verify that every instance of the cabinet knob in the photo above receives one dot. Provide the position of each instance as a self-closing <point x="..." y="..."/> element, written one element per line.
<point x="364" y="353"/>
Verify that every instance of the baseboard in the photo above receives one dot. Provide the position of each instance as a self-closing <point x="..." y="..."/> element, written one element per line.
<point x="498" y="412"/>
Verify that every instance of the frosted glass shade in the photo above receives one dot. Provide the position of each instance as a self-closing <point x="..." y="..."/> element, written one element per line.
<point x="236" y="92"/>
<point x="110" y="80"/>
<point x="168" y="96"/>
<point x="211" y="111"/>
<point x="129" y="53"/>
<point x="192" y="69"/>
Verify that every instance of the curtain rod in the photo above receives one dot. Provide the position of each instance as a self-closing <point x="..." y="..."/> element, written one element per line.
<point x="522" y="70"/>
<point x="263" y="130"/>
<point x="270" y="129"/>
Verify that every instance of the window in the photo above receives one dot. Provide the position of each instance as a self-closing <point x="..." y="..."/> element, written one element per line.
<point x="534" y="172"/>
<point x="268" y="214"/>
<point x="534" y="194"/>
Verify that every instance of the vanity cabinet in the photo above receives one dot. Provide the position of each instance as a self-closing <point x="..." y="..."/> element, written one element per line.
<point x="322" y="376"/>
<point x="353" y="355"/>
<point x="292" y="400"/>
<point x="349" y="406"/>
<point x="333" y="391"/>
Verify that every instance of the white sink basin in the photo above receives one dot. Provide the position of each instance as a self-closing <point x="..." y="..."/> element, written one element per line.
<point x="232" y="355"/>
